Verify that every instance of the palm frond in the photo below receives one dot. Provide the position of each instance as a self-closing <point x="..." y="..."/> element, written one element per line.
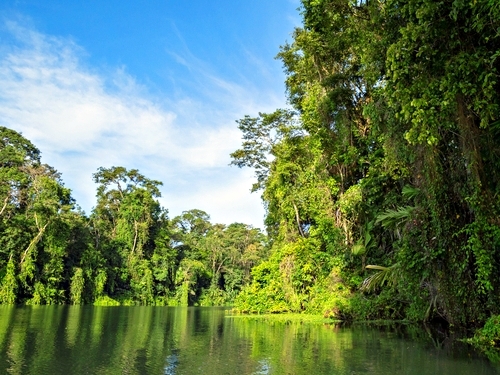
<point x="393" y="218"/>
<point x="410" y="192"/>
<point x="385" y="275"/>
<point x="358" y="249"/>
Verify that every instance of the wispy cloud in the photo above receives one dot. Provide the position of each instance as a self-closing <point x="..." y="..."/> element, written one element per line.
<point x="82" y="118"/>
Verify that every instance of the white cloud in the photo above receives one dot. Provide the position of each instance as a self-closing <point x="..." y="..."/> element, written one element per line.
<point x="82" y="119"/>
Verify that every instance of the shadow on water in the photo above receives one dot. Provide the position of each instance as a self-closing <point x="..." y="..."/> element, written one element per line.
<point x="167" y="340"/>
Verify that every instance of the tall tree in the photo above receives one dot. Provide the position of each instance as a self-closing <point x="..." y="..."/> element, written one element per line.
<point x="125" y="222"/>
<point x="38" y="225"/>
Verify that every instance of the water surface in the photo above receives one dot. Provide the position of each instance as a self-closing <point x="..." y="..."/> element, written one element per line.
<point x="168" y="340"/>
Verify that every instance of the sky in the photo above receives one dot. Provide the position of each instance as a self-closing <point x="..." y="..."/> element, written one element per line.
<point x="155" y="85"/>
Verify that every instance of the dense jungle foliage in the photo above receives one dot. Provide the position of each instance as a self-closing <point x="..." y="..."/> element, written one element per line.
<point x="382" y="180"/>
<point x="381" y="184"/>
<point x="127" y="251"/>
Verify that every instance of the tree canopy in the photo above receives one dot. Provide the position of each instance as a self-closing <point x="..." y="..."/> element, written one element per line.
<point x="126" y="251"/>
<point x="382" y="189"/>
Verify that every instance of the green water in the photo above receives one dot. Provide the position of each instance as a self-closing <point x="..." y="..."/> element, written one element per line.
<point x="166" y="340"/>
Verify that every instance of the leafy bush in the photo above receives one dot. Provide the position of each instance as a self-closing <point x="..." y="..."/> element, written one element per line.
<point x="487" y="339"/>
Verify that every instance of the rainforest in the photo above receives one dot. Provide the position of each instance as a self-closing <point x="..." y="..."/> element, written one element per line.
<point x="380" y="180"/>
<point x="126" y="252"/>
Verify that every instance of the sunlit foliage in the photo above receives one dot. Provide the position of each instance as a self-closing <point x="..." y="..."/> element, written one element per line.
<point x="385" y="180"/>
<point x="127" y="251"/>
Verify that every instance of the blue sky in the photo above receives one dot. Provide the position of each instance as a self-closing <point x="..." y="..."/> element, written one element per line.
<point x="154" y="85"/>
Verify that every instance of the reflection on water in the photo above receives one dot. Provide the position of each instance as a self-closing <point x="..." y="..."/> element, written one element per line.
<point x="171" y="364"/>
<point x="264" y="369"/>
<point x="176" y="341"/>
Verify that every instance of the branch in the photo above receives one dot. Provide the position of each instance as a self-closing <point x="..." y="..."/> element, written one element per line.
<point x="135" y="236"/>
<point x="297" y="217"/>
<point x="34" y="242"/>
<point x="4" y="204"/>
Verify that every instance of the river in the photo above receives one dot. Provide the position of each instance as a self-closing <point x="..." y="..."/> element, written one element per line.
<point x="174" y="340"/>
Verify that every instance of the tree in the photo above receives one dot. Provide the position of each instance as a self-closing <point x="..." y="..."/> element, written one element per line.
<point x="127" y="222"/>
<point x="37" y="222"/>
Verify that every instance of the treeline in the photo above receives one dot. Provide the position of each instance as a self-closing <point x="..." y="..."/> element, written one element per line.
<point x="126" y="251"/>
<point x="382" y="180"/>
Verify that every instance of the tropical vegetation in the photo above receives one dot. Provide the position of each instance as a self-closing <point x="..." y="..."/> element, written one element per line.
<point x="381" y="180"/>
<point x="126" y="251"/>
<point x="381" y="183"/>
